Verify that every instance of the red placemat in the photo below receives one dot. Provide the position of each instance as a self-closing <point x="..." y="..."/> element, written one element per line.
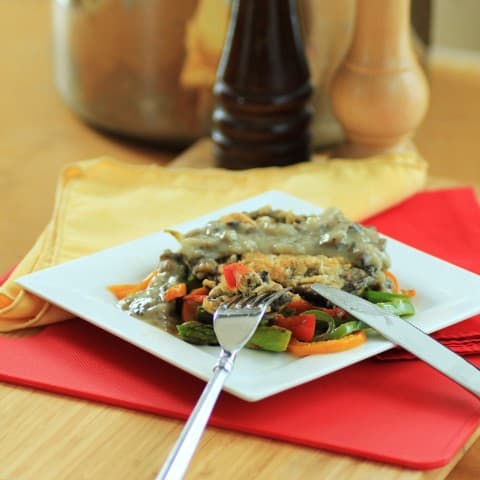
<point x="401" y="412"/>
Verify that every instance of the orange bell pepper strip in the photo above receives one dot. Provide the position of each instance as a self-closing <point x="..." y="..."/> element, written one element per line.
<point x="123" y="290"/>
<point x="393" y="279"/>
<point x="303" y="349"/>
<point x="175" y="291"/>
<point x="396" y="287"/>
<point x="201" y="291"/>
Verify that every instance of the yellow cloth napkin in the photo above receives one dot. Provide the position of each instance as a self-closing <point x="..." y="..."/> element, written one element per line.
<point x="103" y="202"/>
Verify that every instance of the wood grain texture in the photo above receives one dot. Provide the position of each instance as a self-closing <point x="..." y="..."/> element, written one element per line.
<point x="46" y="436"/>
<point x="379" y="77"/>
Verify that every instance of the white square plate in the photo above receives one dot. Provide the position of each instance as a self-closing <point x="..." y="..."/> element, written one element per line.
<point x="446" y="294"/>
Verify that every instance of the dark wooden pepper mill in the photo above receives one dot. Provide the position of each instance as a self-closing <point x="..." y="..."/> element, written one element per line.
<point x="262" y="114"/>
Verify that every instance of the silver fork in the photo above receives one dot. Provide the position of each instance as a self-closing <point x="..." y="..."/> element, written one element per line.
<point x="234" y="324"/>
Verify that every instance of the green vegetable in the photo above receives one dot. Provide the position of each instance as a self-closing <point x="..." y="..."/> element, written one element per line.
<point x="376" y="296"/>
<point x="203" y="316"/>
<point x="346" y="329"/>
<point x="192" y="282"/>
<point x="273" y="339"/>
<point x="197" y="333"/>
<point x="395" y="303"/>
<point x="325" y="324"/>
<point x="398" y="306"/>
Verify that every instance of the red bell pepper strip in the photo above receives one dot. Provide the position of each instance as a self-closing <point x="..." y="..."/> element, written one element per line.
<point x="335" y="312"/>
<point x="302" y="326"/>
<point x="191" y="302"/>
<point x="233" y="272"/>
<point x="299" y="305"/>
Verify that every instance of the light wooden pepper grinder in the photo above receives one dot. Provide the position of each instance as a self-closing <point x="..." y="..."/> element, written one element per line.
<point x="379" y="93"/>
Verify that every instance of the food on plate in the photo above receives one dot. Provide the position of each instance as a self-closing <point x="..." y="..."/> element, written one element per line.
<point x="263" y="251"/>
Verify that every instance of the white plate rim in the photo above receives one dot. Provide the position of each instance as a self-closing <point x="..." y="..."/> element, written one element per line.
<point x="444" y="304"/>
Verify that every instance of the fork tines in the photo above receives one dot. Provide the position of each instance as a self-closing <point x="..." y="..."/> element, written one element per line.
<point x="254" y="300"/>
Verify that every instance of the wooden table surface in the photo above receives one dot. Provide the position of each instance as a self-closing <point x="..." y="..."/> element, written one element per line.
<point x="46" y="436"/>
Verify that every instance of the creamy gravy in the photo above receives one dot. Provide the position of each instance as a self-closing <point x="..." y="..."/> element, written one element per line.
<point x="148" y="304"/>
<point x="265" y="231"/>
<point x="276" y="232"/>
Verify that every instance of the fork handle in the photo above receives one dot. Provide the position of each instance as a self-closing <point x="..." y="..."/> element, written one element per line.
<point x="182" y="452"/>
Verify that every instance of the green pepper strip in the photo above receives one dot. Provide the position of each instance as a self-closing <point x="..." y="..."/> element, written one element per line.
<point x="399" y="306"/>
<point x="346" y="329"/>
<point x="376" y="296"/>
<point x="324" y="323"/>
<point x="396" y="303"/>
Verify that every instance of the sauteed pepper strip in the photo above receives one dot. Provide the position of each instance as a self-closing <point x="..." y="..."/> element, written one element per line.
<point x="303" y="349"/>
<point x="175" y="291"/>
<point x="395" y="303"/>
<point x="123" y="290"/>
<point x="233" y="272"/>
<point x="302" y="326"/>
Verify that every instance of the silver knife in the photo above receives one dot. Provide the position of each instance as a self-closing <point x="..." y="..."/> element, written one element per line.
<point x="405" y="334"/>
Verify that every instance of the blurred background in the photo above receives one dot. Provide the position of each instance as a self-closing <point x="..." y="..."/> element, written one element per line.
<point x="145" y="68"/>
<point x="448" y="23"/>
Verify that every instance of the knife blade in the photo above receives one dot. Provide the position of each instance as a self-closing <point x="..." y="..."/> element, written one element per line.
<point x="405" y="334"/>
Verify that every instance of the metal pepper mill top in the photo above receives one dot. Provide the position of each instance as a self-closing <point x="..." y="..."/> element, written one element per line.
<point x="262" y="114"/>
